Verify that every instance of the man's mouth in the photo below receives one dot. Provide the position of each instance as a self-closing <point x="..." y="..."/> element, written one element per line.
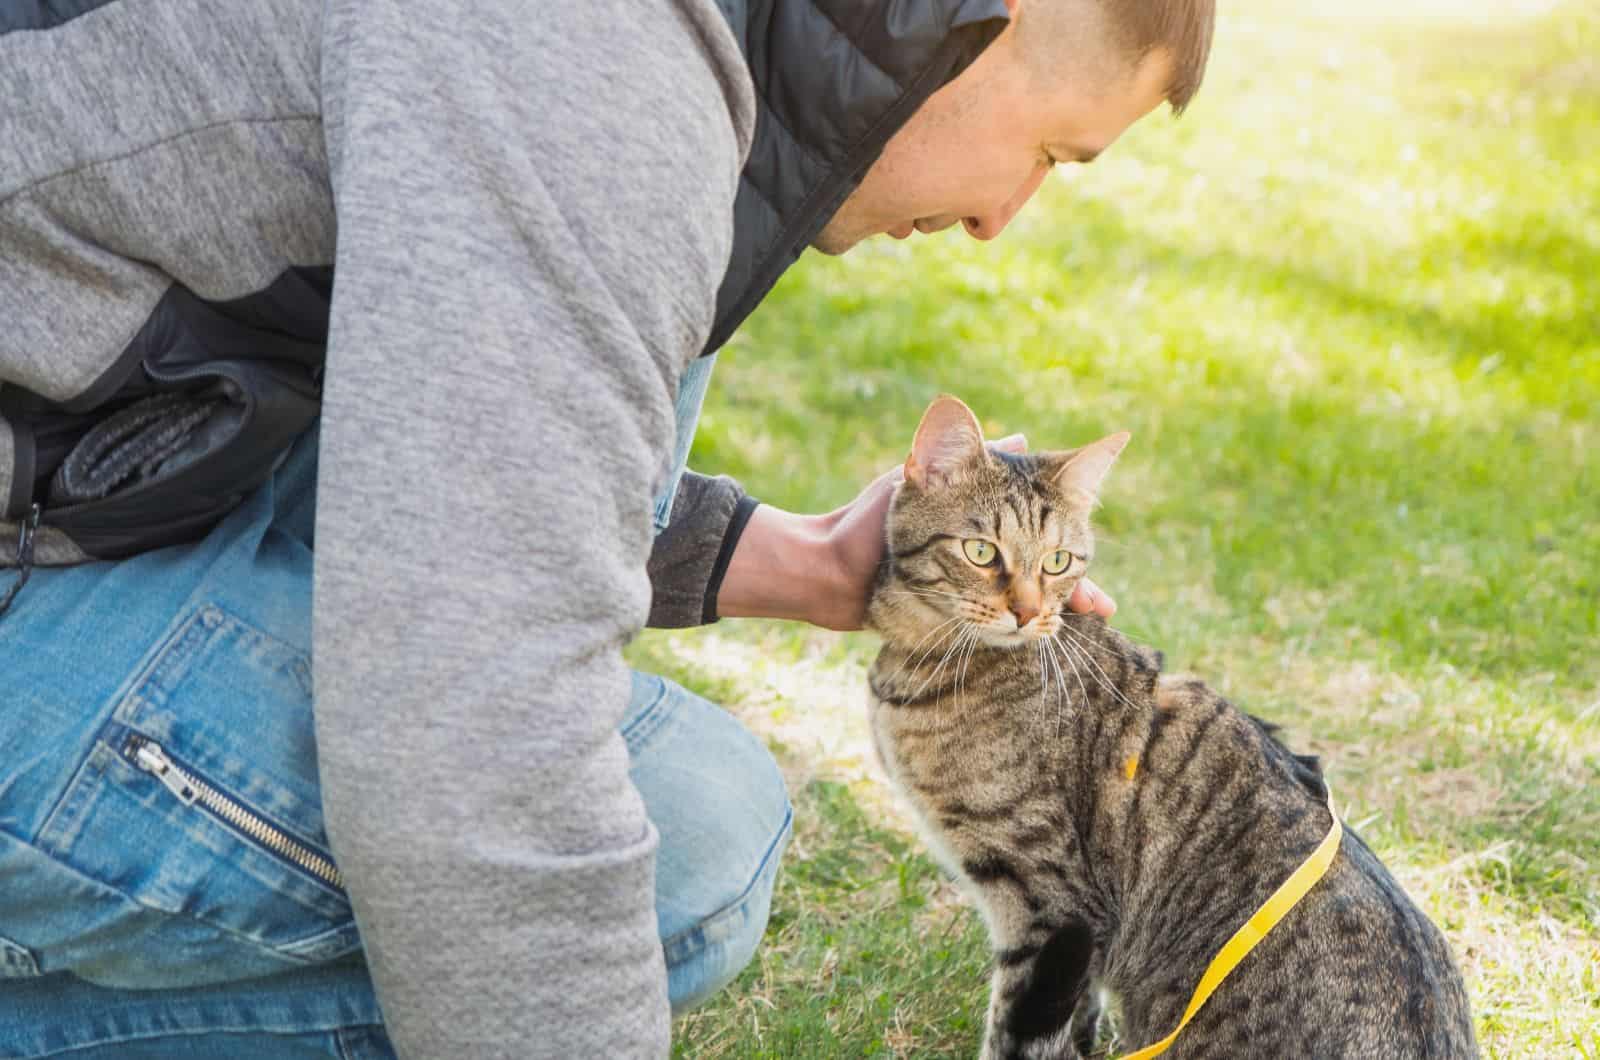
<point x="925" y="225"/>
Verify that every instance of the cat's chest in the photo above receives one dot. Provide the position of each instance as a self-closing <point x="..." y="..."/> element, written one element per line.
<point x="907" y="775"/>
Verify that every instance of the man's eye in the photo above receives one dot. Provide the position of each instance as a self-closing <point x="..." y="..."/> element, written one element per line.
<point x="978" y="551"/>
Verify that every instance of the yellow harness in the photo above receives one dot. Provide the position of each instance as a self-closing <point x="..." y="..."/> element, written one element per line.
<point x="1253" y="930"/>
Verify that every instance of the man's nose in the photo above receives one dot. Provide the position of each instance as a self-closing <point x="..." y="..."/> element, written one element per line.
<point x="987" y="225"/>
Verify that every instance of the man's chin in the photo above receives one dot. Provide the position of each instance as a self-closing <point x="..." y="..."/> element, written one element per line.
<point x="833" y="243"/>
<point x="839" y="234"/>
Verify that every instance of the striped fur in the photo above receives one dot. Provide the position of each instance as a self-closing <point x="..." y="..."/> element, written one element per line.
<point x="1014" y="743"/>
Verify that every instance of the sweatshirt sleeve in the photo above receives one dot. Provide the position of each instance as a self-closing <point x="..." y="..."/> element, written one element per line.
<point x="691" y="555"/>
<point x="534" y="211"/>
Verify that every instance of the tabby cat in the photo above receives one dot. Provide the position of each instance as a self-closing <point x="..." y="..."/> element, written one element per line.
<point x="1115" y="826"/>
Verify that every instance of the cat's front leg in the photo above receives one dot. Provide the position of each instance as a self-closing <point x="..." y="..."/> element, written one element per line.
<point x="1001" y="1040"/>
<point x="1033" y="994"/>
<point x="996" y="1045"/>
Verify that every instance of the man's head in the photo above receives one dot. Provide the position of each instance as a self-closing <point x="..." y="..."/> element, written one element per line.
<point x="1060" y="84"/>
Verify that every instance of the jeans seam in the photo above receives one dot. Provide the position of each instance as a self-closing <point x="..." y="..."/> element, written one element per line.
<point x="159" y="1034"/>
<point x="113" y="705"/>
<point x="648" y="720"/>
<point x="683" y="938"/>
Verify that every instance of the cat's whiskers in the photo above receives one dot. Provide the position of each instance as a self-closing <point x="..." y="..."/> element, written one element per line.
<point x="1079" y="649"/>
<point x="1038" y="654"/>
<point x="1074" y="656"/>
<point x="912" y="658"/>
<point x="1061" y="680"/>
<point x="965" y="632"/>
<point x="1044" y="687"/>
<point x="961" y="678"/>
<point x="956" y="667"/>
<point x="1133" y="635"/>
<point x="951" y="642"/>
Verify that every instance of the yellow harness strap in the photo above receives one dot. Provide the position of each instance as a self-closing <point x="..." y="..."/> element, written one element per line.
<point x="1254" y="930"/>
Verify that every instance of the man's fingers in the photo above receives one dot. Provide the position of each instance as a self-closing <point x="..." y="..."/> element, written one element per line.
<point x="1088" y="597"/>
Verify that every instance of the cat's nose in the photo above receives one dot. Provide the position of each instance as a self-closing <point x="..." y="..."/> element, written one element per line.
<point x="1024" y="613"/>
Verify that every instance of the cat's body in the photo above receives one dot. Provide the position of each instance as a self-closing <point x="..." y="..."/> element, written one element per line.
<point x="1116" y="826"/>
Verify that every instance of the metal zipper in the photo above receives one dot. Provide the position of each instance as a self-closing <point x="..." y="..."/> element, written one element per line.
<point x="190" y="789"/>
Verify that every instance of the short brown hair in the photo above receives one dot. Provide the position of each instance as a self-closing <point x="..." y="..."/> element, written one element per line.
<point x="1136" y="28"/>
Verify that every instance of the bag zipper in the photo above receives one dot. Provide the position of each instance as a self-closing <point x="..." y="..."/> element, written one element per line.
<point x="190" y="789"/>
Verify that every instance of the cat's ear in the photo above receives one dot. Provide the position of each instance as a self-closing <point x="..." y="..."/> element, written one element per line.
<point x="1086" y="469"/>
<point x="947" y="438"/>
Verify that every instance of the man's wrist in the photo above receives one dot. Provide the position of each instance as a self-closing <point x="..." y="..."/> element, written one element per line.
<point x="783" y="566"/>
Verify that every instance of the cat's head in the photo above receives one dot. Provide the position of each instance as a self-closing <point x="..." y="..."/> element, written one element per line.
<point x="987" y="538"/>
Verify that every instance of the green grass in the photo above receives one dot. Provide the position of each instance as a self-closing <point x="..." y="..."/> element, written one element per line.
<point x="1349" y="306"/>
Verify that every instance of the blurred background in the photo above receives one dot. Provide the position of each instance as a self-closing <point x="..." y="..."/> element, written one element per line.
<point x="1349" y="306"/>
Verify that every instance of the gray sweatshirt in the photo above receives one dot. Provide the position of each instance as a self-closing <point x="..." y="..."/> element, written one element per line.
<point x="529" y="210"/>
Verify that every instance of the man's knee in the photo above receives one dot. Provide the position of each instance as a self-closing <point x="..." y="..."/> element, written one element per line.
<point x="709" y="955"/>
<point x="718" y="799"/>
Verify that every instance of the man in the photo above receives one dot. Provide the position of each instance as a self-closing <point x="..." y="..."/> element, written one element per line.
<point x="536" y="217"/>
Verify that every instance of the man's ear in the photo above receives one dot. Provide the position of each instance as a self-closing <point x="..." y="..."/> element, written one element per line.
<point x="1086" y="469"/>
<point x="947" y="438"/>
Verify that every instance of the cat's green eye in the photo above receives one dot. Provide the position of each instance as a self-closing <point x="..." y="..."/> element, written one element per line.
<point x="979" y="552"/>
<point x="1057" y="561"/>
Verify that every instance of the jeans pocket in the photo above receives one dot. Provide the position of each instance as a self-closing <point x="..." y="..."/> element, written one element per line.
<point x="200" y="800"/>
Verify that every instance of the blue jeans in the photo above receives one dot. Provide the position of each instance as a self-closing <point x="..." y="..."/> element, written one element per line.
<point x="137" y="921"/>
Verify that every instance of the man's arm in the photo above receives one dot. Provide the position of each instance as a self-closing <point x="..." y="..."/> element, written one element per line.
<point x="534" y="206"/>
<point x="725" y="556"/>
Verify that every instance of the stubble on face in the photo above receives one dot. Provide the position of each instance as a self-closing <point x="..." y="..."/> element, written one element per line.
<point x="845" y="229"/>
<point x="835" y="239"/>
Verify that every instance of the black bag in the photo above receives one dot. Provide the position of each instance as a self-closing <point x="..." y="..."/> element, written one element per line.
<point x="198" y="412"/>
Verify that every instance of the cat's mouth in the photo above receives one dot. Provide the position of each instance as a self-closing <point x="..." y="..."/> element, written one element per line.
<point x="1008" y="633"/>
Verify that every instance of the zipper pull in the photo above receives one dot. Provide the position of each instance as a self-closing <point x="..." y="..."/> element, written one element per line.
<point x="152" y="759"/>
<point x="28" y="528"/>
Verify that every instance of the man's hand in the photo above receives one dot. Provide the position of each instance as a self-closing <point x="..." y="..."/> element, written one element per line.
<point x="820" y="568"/>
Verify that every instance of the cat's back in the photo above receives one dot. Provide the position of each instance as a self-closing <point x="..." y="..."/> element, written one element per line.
<point x="1355" y="969"/>
<point x="1355" y="972"/>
